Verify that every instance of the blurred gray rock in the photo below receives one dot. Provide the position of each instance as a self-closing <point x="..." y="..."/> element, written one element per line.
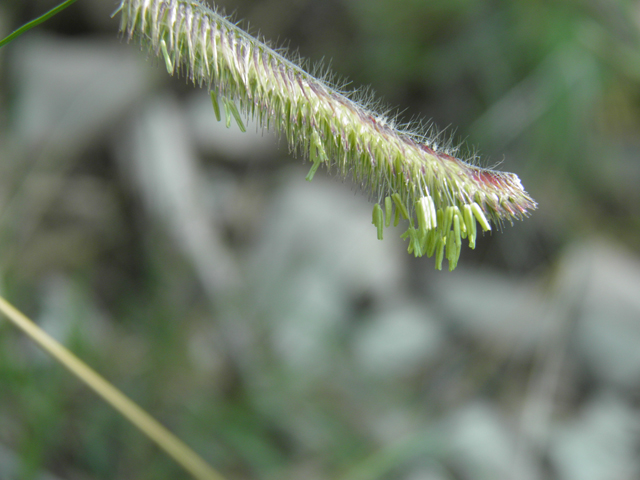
<point x="608" y="330"/>
<point x="316" y="253"/>
<point x="69" y="92"/>
<point x="600" y="443"/>
<point x="482" y="447"/>
<point x="397" y="341"/>
<point x="163" y="167"/>
<point x="505" y="312"/>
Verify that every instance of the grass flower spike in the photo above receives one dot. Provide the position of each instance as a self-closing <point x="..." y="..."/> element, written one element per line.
<point x="408" y="173"/>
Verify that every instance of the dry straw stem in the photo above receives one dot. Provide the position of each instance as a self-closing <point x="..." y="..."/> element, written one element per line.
<point x="441" y="196"/>
<point x="172" y="445"/>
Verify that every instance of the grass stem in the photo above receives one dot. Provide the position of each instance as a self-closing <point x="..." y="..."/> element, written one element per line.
<point x="177" y="449"/>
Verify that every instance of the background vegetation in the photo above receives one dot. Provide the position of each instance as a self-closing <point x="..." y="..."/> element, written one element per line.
<point x="257" y="316"/>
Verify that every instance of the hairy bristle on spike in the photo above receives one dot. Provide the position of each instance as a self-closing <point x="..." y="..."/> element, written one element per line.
<point x="416" y="172"/>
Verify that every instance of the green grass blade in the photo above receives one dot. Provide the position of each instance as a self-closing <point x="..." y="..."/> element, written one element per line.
<point x="171" y="444"/>
<point x="37" y="21"/>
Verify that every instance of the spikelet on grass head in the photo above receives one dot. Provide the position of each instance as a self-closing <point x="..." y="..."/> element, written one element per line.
<point x="410" y="176"/>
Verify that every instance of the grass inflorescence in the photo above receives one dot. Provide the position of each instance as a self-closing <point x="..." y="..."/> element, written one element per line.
<point x="409" y="173"/>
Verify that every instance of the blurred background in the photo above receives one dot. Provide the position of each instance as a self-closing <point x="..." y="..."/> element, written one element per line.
<point x="256" y="314"/>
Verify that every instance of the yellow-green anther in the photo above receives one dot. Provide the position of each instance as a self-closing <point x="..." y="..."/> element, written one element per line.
<point x="422" y="238"/>
<point x="448" y="218"/>
<point x="470" y="222"/>
<point x="440" y="252"/>
<point x="456" y="231"/>
<point x="378" y="219"/>
<point x="434" y="216"/>
<point x="214" y="102"/>
<point x="317" y="148"/>
<point x="482" y="220"/>
<point x="463" y="227"/>
<point x="388" y="206"/>
<point x="417" y="249"/>
<point x="398" y="201"/>
<point x="396" y="217"/>
<point x="409" y="234"/>
<point x="167" y="58"/>
<point x="453" y="251"/>
<point x="313" y="154"/>
<point x="432" y="240"/>
<point x="421" y="213"/>
<point x="454" y="263"/>
<point x="312" y="172"/>
<point x="236" y="115"/>
<point x="426" y="204"/>
<point x="417" y="244"/>
<point x="227" y="112"/>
